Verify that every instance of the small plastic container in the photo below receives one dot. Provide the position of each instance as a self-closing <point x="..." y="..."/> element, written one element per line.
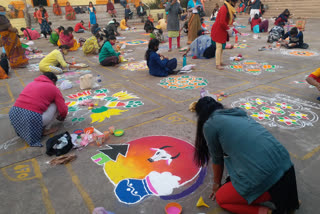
<point x="173" y="208"/>
<point x="98" y="78"/>
<point x="89" y="130"/>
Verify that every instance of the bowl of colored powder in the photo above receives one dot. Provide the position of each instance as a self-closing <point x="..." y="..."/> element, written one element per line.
<point x="173" y="208"/>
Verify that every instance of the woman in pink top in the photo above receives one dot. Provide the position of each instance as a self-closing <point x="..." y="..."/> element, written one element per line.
<point x="30" y="34"/>
<point x="37" y="106"/>
<point x="66" y="37"/>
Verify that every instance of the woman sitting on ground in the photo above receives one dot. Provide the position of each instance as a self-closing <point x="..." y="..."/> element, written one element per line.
<point x="259" y="167"/>
<point x="30" y="34"/>
<point x="108" y="56"/>
<point x="11" y="42"/>
<point x="155" y="33"/>
<point x="283" y="17"/>
<point x="200" y="47"/>
<point x="54" y="62"/>
<point x="54" y="37"/>
<point x="124" y="24"/>
<point x="276" y="33"/>
<point x="56" y="8"/>
<point x="263" y="25"/>
<point x="295" y="39"/>
<point x="111" y="10"/>
<point x="36" y="108"/>
<point x="70" y="13"/>
<point x="158" y="64"/>
<point x="66" y="38"/>
<point x="91" y="45"/>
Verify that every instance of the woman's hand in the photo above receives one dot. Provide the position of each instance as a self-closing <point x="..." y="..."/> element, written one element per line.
<point x="215" y="188"/>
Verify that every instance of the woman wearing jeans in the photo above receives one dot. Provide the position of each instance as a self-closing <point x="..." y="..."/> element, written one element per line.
<point x="219" y="33"/>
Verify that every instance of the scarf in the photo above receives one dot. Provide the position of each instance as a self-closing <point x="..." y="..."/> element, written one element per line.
<point x="231" y="11"/>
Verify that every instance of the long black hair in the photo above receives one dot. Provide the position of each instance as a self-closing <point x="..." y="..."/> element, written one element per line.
<point x="153" y="44"/>
<point x="286" y="12"/>
<point x="111" y="37"/>
<point x="204" y="108"/>
<point x="51" y="76"/>
<point x="44" y="9"/>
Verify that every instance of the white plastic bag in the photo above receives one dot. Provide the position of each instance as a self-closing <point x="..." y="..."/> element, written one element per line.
<point x="86" y="81"/>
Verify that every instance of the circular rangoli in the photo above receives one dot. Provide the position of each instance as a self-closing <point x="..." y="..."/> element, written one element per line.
<point x="253" y="67"/>
<point x="135" y="42"/>
<point x="183" y="82"/>
<point x="135" y="66"/>
<point x="240" y="45"/>
<point x="302" y="53"/>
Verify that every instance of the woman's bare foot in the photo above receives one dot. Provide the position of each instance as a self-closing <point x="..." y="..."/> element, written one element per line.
<point x="49" y="131"/>
<point x="219" y="67"/>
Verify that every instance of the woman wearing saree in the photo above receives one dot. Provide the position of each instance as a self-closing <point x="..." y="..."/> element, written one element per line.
<point x="66" y="38"/>
<point x="11" y="42"/>
<point x="70" y="13"/>
<point x="194" y="24"/>
<point x="92" y="14"/>
<point x="54" y="37"/>
<point x="42" y="16"/>
<point x="56" y="8"/>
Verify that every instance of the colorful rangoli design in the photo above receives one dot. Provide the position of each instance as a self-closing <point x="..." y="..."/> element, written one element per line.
<point x="33" y="67"/>
<point x="105" y="105"/>
<point x="183" y="82"/>
<point x="301" y="53"/>
<point x="253" y="67"/>
<point x="135" y="42"/>
<point x="36" y="56"/>
<point x="241" y="45"/>
<point x="151" y="166"/>
<point x="135" y="66"/>
<point x="280" y="111"/>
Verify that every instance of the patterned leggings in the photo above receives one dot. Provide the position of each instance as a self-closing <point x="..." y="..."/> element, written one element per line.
<point x="55" y="70"/>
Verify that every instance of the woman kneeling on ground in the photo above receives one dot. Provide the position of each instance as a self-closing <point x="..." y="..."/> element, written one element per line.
<point x="66" y="38"/>
<point x="108" y="56"/>
<point x="91" y="45"/>
<point x="158" y="64"/>
<point x="259" y="166"/>
<point x="51" y="62"/>
<point x="36" y="108"/>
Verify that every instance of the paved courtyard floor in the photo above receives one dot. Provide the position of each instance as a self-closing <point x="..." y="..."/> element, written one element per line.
<point x="154" y="114"/>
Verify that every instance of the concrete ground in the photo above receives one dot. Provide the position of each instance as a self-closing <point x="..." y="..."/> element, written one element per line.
<point x="30" y="185"/>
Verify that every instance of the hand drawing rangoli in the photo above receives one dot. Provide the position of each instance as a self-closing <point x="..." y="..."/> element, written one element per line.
<point x="135" y="66"/>
<point x="301" y="53"/>
<point x="280" y="111"/>
<point x="253" y="67"/>
<point x="135" y="42"/>
<point x="240" y="45"/>
<point x="183" y="82"/>
<point x="303" y="83"/>
<point x="104" y="105"/>
<point x="151" y="166"/>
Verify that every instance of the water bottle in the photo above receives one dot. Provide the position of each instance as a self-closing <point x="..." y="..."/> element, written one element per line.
<point x="98" y="78"/>
<point x="73" y="61"/>
<point x="184" y="63"/>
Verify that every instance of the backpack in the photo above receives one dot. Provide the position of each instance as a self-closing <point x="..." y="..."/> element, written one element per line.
<point x="59" y="144"/>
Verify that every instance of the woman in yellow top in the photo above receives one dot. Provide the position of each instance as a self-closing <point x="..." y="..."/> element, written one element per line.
<point x="52" y="60"/>
<point x="124" y="25"/>
<point x="91" y="46"/>
<point x="162" y="25"/>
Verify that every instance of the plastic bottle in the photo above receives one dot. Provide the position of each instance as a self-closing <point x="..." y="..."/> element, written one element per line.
<point x="98" y="78"/>
<point x="236" y="39"/>
<point x="79" y="140"/>
<point x="184" y="63"/>
<point x="73" y="61"/>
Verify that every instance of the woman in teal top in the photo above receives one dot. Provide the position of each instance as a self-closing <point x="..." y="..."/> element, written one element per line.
<point x="107" y="55"/>
<point x="259" y="166"/>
